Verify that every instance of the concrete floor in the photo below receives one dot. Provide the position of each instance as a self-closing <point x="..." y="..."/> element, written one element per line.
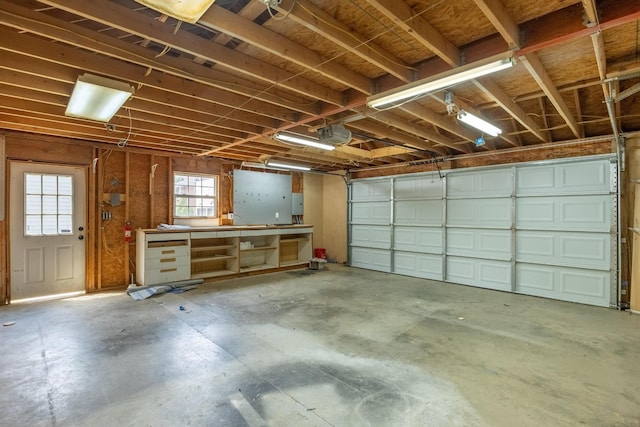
<point x="341" y="347"/>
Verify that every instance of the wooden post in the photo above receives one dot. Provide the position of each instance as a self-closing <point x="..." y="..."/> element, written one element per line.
<point x="635" y="261"/>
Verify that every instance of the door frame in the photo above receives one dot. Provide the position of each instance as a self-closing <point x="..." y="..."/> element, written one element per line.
<point x="89" y="252"/>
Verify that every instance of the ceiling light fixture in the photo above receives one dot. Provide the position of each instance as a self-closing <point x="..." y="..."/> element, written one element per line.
<point x="287" y="166"/>
<point x="439" y="81"/>
<point x="97" y="98"/>
<point x="478" y="123"/>
<point x="184" y="10"/>
<point x="297" y="139"/>
<point x="272" y="165"/>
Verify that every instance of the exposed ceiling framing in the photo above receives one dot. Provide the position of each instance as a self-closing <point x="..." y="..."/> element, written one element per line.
<point x="223" y="86"/>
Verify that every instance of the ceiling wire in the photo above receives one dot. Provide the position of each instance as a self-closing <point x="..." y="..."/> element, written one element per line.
<point x="391" y="29"/>
<point x="274" y="85"/>
<point x="350" y="34"/>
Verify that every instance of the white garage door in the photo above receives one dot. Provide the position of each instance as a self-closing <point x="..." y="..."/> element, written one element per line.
<point x="479" y="218"/>
<point x="418" y="226"/>
<point x="370" y="224"/>
<point x="565" y="231"/>
<point x="546" y="229"/>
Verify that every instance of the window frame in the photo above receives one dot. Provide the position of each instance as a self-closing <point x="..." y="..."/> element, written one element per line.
<point x="176" y="195"/>
<point x="47" y="210"/>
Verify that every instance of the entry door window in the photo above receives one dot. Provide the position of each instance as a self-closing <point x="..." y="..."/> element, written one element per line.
<point x="48" y="204"/>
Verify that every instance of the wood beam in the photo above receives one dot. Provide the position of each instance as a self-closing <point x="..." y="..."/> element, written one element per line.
<point x="576" y="98"/>
<point x="382" y="131"/>
<point x="444" y="122"/>
<point x="124" y="19"/>
<point x="404" y="17"/>
<point x="590" y="12"/>
<point x="502" y="21"/>
<point x="144" y="103"/>
<point x="317" y="20"/>
<point x="407" y="126"/>
<point x="567" y="24"/>
<point x="601" y="60"/>
<point x="220" y="19"/>
<point x="377" y="153"/>
<point x="539" y="73"/>
<point x="491" y="89"/>
<point x="228" y="90"/>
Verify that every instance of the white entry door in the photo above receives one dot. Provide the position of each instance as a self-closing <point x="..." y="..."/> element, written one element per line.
<point x="47" y="221"/>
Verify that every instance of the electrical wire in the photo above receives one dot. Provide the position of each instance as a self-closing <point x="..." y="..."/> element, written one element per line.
<point x="123" y="142"/>
<point x="268" y="4"/>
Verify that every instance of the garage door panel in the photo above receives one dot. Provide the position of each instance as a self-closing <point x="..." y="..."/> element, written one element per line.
<point x="483" y="273"/>
<point x="564" y="283"/>
<point x="572" y="213"/>
<point x="376" y="190"/>
<point x="418" y="239"/>
<point x="423" y="187"/>
<point x="581" y="250"/>
<point x="479" y="213"/>
<point x="554" y="228"/>
<point x="491" y="244"/>
<point x="427" y="266"/>
<point x="371" y="236"/>
<point x="372" y="259"/>
<point x="423" y="212"/>
<point x="480" y="184"/>
<point x="371" y="213"/>
<point x="591" y="177"/>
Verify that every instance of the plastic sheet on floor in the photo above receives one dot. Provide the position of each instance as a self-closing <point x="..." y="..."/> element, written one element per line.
<point x="143" y="292"/>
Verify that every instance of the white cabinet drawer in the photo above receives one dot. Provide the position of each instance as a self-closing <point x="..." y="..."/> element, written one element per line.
<point x="166" y="275"/>
<point x="167" y="252"/>
<point x="214" y="234"/>
<point x="167" y="262"/>
<point x="166" y="237"/>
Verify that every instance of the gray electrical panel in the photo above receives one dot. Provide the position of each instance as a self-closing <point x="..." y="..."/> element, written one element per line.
<point x="261" y="198"/>
<point x="297" y="207"/>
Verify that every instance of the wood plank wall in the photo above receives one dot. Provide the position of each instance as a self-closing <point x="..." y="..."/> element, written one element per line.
<point x="629" y="230"/>
<point x="145" y="197"/>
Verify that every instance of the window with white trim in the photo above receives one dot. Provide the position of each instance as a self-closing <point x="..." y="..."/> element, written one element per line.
<point x="48" y="200"/>
<point x="195" y="195"/>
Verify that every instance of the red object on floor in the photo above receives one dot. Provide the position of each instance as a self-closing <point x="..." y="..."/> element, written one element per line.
<point x="320" y="252"/>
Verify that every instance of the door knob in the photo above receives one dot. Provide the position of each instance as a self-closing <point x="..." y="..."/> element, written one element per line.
<point x="81" y="237"/>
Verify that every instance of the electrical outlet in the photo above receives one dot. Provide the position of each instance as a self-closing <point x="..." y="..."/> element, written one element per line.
<point x="277" y="215"/>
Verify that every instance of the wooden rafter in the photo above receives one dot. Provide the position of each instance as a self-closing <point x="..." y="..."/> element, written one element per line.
<point x="230" y="23"/>
<point x="500" y="18"/>
<point x="312" y="17"/>
<point x="125" y="20"/>
<point x="491" y="89"/>
<point x="539" y="73"/>
<point x="417" y="27"/>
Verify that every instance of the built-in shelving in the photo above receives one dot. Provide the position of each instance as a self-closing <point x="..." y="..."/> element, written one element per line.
<point x="210" y="253"/>
<point x="295" y="249"/>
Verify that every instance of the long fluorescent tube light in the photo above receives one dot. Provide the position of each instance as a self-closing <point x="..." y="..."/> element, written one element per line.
<point x="478" y="123"/>
<point x="184" y="10"/>
<point x="97" y="98"/>
<point x="288" y="137"/>
<point x="287" y="166"/>
<point x="271" y="165"/>
<point x="254" y="165"/>
<point x="439" y="81"/>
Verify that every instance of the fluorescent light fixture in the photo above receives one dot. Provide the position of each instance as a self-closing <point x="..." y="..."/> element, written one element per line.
<point x="254" y="165"/>
<point x="287" y="166"/>
<point x="97" y="98"/>
<point x="439" y="81"/>
<point x="478" y="123"/>
<point x="184" y="10"/>
<point x="272" y="165"/>
<point x="297" y="139"/>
